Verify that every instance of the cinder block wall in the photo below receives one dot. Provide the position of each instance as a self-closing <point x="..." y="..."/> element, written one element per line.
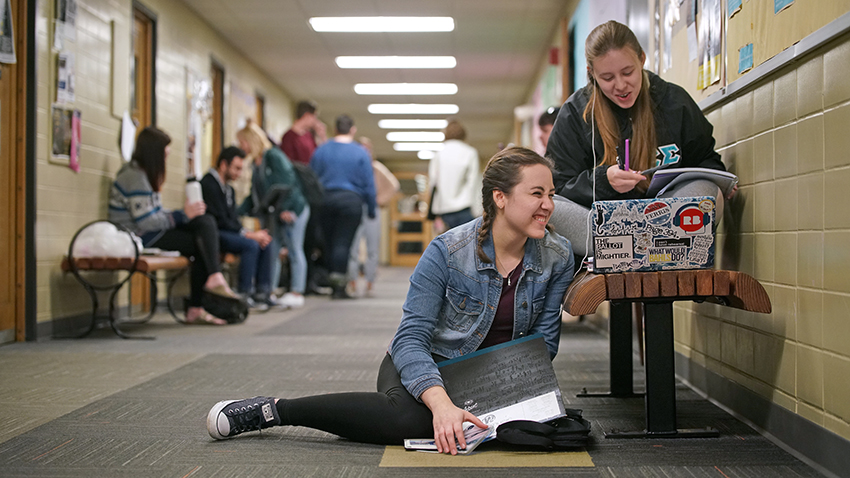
<point x="66" y="200"/>
<point x="787" y="140"/>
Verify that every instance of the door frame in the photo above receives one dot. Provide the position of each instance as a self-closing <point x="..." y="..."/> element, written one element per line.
<point x="25" y="134"/>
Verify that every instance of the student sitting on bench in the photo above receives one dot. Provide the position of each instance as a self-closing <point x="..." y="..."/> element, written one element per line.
<point x="134" y="202"/>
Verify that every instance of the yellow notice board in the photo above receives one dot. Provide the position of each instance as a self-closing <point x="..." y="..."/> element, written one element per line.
<point x="771" y="26"/>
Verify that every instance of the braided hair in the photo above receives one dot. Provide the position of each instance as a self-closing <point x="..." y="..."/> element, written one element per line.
<point x="503" y="173"/>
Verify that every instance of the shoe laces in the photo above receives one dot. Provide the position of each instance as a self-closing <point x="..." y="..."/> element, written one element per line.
<point x="246" y="418"/>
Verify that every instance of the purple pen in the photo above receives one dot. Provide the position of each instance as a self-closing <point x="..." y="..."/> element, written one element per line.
<point x="627" y="155"/>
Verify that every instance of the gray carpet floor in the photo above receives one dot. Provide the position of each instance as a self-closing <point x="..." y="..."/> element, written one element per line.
<point x="102" y="406"/>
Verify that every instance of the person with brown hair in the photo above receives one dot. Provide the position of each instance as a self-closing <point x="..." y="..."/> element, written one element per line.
<point x="134" y="202"/>
<point x="505" y="271"/>
<point x="454" y="172"/>
<point x="622" y="101"/>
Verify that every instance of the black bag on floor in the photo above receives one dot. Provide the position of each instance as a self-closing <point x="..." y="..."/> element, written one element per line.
<point x="234" y="311"/>
<point x="571" y="431"/>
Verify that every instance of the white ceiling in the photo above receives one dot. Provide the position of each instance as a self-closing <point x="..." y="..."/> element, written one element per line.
<point x="500" y="46"/>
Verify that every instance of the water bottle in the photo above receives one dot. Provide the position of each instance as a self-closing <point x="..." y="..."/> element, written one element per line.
<point x="193" y="192"/>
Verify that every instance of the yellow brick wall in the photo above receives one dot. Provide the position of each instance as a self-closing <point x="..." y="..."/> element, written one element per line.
<point x="786" y="139"/>
<point x="66" y="200"/>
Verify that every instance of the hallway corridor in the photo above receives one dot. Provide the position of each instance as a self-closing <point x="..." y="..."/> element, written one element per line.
<point x="102" y="406"/>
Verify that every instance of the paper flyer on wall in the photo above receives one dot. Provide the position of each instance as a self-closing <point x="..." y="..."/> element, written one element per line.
<point x="128" y="136"/>
<point x="7" y="36"/>
<point x="710" y="31"/>
<point x="65" y="78"/>
<point x="66" y="22"/>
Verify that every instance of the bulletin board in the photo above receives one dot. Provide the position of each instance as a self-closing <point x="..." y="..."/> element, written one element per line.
<point x="771" y="26"/>
<point x="753" y="32"/>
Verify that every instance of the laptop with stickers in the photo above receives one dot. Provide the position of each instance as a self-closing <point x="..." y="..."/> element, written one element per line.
<point x="653" y="234"/>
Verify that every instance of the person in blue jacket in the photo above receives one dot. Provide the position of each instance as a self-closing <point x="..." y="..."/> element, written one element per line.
<point x="497" y="278"/>
<point x="663" y="124"/>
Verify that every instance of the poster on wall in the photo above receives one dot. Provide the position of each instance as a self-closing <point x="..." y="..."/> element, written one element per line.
<point x="65" y="78"/>
<point x="61" y="120"/>
<point x="74" y="147"/>
<point x="66" y="22"/>
<point x="7" y="37"/>
<point x="710" y="26"/>
<point x="198" y="111"/>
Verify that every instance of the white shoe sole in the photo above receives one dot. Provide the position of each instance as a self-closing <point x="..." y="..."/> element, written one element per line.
<point x="212" y="419"/>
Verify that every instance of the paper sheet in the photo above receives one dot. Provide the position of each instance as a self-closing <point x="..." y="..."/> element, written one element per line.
<point x="128" y="136"/>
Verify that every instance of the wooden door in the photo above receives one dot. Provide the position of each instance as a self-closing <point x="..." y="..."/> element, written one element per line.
<point x="142" y="76"/>
<point x="217" y="72"/>
<point x="141" y="104"/>
<point x="12" y="183"/>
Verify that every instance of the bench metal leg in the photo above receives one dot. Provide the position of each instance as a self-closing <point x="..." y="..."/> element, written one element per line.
<point x="94" y="306"/>
<point x="113" y="322"/>
<point x="620" y="353"/>
<point x="661" y="380"/>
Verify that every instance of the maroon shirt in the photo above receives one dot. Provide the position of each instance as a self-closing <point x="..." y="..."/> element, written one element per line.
<point x="502" y="329"/>
<point x="297" y="147"/>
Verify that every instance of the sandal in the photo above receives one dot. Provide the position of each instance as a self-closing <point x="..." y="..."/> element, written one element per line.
<point x="222" y="291"/>
<point x="205" y="318"/>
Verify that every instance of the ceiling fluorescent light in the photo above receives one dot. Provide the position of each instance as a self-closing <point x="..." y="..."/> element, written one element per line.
<point x="405" y="88"/>
<point x="382" y="24"/>
<point x="412" y="124"/>
<point x="415" y="136"/>
<point x="412" y="109"/>
<point x="425" y="154"/>
<point x="418" y="146"/>
<point x="410" y="62"/>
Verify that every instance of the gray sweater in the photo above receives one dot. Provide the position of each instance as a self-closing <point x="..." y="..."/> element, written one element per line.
<point x="135" y="205"/>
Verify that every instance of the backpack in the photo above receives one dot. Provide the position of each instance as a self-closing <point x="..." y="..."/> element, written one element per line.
<point x="571" y="431"/>
<point x="311" y="188"/>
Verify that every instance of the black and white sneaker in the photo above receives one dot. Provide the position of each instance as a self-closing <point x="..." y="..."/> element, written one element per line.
<point x="232" y="417"/>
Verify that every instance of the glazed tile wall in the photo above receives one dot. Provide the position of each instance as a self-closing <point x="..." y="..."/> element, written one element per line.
<point x="787" y="141"/>
<point x="67" y="200"/>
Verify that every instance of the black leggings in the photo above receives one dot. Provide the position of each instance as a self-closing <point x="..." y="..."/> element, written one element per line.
<point x="197" y="239"/>
<point x="384" y="418"/>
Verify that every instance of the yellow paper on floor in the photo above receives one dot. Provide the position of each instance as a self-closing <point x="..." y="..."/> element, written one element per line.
<point x="398" y="457"/>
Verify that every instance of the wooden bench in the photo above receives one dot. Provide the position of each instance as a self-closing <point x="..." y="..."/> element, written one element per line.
<point x="147" y="265"/>
<point x="656" y="291"/>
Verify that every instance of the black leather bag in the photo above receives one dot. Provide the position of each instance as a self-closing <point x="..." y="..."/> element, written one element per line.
<point x="431" y="215"/>
<point x="571" y="431"/>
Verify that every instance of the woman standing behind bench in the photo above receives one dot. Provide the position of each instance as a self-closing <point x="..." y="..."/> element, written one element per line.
<point x="134" y="202"/>
<point x="623" y="101"/>
<point x="491" y="280"/>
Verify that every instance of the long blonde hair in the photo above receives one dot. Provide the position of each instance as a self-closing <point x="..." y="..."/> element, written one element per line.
<point x="604" y="38"/>
<point x="256" y="139"/>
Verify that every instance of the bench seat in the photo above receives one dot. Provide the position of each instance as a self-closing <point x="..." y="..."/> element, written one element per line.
<point x="656" y="291"/>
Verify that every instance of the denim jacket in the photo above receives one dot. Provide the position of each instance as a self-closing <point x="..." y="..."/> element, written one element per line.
<point x="453" y="297"/>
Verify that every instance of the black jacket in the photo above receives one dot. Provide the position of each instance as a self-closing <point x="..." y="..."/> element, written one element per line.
<point x="684" y="139"/>
<point x="218" y="206"/>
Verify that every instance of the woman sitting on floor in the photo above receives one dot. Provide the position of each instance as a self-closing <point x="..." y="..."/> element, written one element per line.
<point x="502" y="260"/>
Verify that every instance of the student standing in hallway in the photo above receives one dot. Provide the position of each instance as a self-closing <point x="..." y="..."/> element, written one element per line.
<point x="345" y="170"/>
<point x="488" y="268"/>
<point x="271" y="168"/>
<point x="386" y="186"/>
<point x="454" y="172"/>
<point x="306" y="133"/>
